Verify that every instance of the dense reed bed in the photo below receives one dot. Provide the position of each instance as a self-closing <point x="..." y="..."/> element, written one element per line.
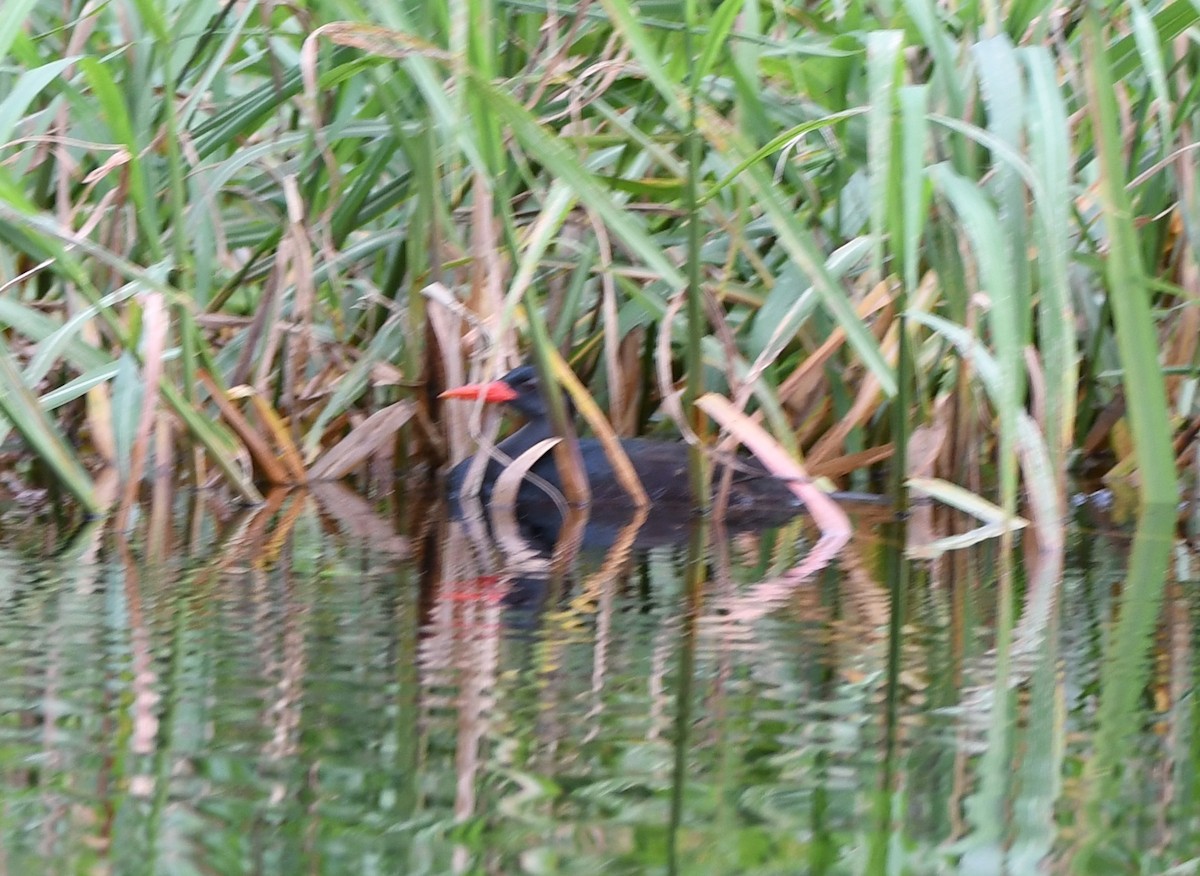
<point x="248" y="243"/>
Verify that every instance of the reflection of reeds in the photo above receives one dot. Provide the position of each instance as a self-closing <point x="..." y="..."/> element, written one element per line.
<point x="317" y="694"/>
<point x="459" y="655"/>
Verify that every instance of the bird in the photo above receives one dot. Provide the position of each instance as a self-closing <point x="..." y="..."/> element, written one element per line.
<point x="662" y="466"/>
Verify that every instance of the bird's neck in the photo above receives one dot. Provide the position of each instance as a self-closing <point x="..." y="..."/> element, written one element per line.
<point x="534" y="430"/>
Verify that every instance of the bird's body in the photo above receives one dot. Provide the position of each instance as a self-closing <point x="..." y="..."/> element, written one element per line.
<point x="661" y="466"/>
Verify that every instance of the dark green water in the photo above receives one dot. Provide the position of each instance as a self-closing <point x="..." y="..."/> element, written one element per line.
<point x="327" y="687"/>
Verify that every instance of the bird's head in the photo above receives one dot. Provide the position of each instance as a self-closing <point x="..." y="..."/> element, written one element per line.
<point x="520" y="389"/>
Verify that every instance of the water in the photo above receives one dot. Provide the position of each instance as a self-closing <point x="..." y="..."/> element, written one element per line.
<point x="326" y="686"/>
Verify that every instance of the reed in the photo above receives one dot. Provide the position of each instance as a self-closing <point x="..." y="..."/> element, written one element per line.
<point x="827" y="192"/>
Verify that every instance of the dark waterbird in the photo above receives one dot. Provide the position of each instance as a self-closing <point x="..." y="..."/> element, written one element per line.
<point x="662" y="466"/>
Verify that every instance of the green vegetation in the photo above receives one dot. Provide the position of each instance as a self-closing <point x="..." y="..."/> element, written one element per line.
<point x="246" y="229"/>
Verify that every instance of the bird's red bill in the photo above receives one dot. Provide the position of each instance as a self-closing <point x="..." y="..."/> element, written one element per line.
<point x="495" y="392"/>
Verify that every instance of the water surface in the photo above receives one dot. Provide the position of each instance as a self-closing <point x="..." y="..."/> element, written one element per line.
<point x="331" y="685"/>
